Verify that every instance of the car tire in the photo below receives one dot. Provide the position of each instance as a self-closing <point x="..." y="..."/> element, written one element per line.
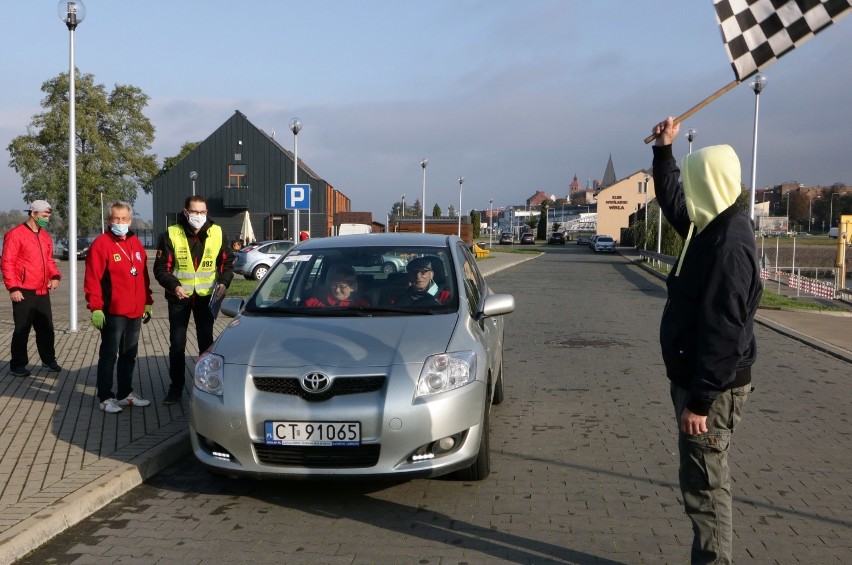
<point x="259" y="272"/>
<point x="388" y="268"/>
<point x="481" y="466"/>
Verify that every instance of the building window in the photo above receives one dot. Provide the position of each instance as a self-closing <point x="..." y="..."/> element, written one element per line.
<point x="237" y="176"/>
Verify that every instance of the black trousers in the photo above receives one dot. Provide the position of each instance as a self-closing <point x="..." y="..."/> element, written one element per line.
<point x="32" y="312"/>
<point x="179" y="313"/>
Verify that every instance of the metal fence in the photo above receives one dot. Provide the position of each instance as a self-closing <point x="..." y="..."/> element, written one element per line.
<point x="821" y="285"/>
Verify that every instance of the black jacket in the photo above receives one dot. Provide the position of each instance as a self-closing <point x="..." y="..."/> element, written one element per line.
<point x="707" y="328"/>
<point x="164" y="264"/>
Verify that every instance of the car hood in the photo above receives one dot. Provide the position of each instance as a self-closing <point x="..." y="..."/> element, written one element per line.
<point x="286" y="342"/>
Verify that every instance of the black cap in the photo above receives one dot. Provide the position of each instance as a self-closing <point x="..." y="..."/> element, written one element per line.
<point x="419" y="264"/>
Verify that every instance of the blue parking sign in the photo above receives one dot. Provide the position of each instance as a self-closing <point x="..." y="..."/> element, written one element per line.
<point x="297" y="196"/>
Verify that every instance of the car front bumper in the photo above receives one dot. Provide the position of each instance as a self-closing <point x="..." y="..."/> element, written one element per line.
<point x="227" y="432"/>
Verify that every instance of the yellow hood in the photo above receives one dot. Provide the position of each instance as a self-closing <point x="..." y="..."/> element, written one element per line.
<point x="711" y="183"/>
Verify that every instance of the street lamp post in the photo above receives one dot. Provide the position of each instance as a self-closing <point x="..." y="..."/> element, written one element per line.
<point x="831" y="210"/>
<point x="103" y="227"/>
<point x="403" y="205"/>
<point x="461" y="184"/>
<point x="490" y="221"/>
<point x="757" y="85"/>
<point x="72" y="14"/>
<point x="423" y="164"/>
<point x="690" y="136"/>
<point x="810" y="212"/>
<point x="296" y="127"/>
<point x="647" y="176"/>
<point x="192" y="176"/>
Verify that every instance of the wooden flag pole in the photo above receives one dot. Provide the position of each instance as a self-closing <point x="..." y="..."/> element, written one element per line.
<point x="698" y="106"/>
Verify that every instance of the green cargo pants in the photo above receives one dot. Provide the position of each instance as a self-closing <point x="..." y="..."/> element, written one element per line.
<point x="705" y="478"/>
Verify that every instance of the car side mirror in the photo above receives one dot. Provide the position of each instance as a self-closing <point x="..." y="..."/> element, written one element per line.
<point x="497" y="304"/>
<point x="232" y="306"/>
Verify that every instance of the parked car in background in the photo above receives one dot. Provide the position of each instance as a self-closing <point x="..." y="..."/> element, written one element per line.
<point x="61" y="248"/>
<point x="604" y="243"/>
<point x="254" y="260"/>
<point x="506" y="238"/>
<point x="583" y="240"/>
<point x="556" y="238"/>
<point x="394" y="384"/>
<point x="527" y="238"/>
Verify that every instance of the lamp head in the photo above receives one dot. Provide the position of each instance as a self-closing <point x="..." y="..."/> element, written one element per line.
<point x="461" y="180"/>
<point x="193" y="175"/>
<point x="690" y="134"/>
<point x="72" y="13"/>
<point x="758" y="84"/>
<point x="295" y="126"/>
<point x="424" y="162"/>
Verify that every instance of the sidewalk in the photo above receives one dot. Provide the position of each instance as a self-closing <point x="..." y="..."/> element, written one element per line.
<point x="61" y="458"/>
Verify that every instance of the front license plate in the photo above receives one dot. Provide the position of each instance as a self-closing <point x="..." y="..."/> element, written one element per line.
<point x="335" y="434"/>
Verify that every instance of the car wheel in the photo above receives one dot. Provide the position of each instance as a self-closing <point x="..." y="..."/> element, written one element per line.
<point x="259" y="272"/>
<point x="388" y="268"/>
<point x="481" y="467"/>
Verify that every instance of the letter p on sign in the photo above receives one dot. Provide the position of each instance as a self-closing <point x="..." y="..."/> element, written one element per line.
<point x="297" y="196"/>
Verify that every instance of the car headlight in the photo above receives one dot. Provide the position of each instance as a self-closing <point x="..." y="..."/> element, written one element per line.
<point x="209" y="372"/>
<point x="446" y="371"/>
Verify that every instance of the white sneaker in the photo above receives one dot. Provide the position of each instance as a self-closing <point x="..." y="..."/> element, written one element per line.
<point x="110" y="406"/>
<point x="133" y="400"/>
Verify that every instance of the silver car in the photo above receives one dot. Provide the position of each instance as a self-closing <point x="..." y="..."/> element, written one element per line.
<point x="395" y="379"/>
<point x="253" y="261"/>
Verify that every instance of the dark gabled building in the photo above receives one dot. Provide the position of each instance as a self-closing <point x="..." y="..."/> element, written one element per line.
<point x="242" y="169"/>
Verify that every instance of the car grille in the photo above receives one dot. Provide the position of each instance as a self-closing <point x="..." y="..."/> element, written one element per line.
<point x="318" y="457"/>
<point x="340" y="386"/>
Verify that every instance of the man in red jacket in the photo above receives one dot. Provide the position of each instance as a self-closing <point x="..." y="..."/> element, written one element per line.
<point x="30" y="273"/>
<point x="118" y="291"/>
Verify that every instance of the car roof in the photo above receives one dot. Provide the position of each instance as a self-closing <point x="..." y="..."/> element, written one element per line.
<point x="377" y="239"/>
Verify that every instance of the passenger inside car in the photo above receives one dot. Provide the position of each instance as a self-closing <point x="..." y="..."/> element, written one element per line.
<point x="340" y="291"/>
<point x="425" y="278"/>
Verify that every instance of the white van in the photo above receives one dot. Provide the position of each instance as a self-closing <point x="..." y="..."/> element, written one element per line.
<point x="351" y="229"/>
<point x="832" y="233"/>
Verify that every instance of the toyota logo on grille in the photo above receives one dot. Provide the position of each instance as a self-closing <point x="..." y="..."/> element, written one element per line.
<point x="316" y="382"/>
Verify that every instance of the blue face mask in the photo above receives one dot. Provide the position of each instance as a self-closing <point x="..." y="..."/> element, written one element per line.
<point x="119" y="229"/>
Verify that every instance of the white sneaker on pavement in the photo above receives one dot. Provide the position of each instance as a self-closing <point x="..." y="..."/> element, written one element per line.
<point x="110" y="406"/>
<point x="133" y="400"/>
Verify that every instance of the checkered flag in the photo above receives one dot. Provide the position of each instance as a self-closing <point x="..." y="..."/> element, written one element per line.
<point x="757" y="32"/>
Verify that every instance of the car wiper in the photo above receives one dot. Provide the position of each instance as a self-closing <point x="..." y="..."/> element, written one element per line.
<point x="367" y="310"/>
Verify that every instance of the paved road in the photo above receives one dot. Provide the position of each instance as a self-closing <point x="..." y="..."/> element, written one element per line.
<point x="584" y="462"/>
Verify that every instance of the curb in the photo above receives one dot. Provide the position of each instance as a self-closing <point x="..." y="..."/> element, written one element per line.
<point x="18" y="541"/>
<point x="513" y="263"/>
<point x="780" y="328"/>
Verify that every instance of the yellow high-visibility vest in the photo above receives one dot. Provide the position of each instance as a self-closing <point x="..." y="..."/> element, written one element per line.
<point x="200" y="281"/>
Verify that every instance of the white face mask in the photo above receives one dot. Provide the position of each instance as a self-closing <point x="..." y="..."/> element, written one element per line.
<point x="196" y="221"/>
<point x="119" y="229"/>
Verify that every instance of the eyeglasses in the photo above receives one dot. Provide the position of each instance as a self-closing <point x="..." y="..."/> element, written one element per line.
<point x="196" y="212"/>
<point x="341" y="285"/>
<point x="421" y="272"/>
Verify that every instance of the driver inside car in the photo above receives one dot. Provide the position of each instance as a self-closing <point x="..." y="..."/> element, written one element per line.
<point x="422" y="289"/>
<point x="340" y="291"/>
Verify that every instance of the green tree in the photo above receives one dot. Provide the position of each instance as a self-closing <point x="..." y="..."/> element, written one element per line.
<point x="170" y="162"/>
<point x="12" y="218"/>
<point x="112" y="139"/>
<point x="542" y="225"/>
<point x="436" y="211"/>
<point x="475" y="224"/>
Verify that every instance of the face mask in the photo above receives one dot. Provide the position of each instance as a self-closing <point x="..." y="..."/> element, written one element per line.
<point x="119" y="229"/>
<point x="197" y="221"/>
<point x="41" y="222"/>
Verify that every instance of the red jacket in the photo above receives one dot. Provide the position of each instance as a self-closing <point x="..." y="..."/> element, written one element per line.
<point x="109" y="284"/>
<point x="27" y="262"/>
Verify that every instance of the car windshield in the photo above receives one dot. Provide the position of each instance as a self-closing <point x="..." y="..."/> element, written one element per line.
<point x="342" y="281"/>
<point x="604" y="239"/>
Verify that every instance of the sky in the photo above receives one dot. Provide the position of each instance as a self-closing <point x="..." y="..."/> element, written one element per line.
<point x="516" y="97"/>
